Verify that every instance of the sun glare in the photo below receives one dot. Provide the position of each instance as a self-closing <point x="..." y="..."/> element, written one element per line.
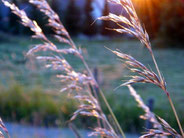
<point x="145" y="6"/>
<point x="147" y="9"/>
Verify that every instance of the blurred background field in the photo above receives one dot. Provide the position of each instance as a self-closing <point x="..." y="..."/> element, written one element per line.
<point x="29" y="94"/>
<point x="28" y="90"/>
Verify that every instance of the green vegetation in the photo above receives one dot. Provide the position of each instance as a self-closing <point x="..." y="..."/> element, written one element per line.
<point x="35" y="107"/>
<point x="30" y="91"/>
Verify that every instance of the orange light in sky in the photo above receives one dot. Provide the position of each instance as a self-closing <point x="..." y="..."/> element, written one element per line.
<point x="148" y="9"/>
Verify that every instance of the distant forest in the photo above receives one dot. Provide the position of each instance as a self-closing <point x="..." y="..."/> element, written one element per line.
<point x="163" y="19"/>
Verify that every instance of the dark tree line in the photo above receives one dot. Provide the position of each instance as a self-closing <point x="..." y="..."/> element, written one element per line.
<point x="89" y="29"/>
<point x="105" y="24"/>
<point x="87" y="25"/>
<point x="73" y="18"/>
<point x="76" y="19"/>
<point x="165" y="21"/>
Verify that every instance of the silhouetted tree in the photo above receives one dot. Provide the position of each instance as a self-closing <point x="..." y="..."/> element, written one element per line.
<point x="172" y="20"/>
<point x="14" y="21"/>
<point x="89" y="28"/>
<point x="105" y="24"/>
<point x="4" y="17"/>
<point x="72" y="18"/>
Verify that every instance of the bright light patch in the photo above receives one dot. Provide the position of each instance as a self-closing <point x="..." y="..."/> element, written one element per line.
<point x="147" y="9"/>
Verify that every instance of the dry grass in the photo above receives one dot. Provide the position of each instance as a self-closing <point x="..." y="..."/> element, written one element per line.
<point x="82" y="85"/>
<point x="3" y="131"/>
<point x="145" y="75"/>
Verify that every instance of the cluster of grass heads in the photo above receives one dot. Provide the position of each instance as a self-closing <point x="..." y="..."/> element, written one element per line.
<point x="85" y="85"/>
<point x="106" y="63"/>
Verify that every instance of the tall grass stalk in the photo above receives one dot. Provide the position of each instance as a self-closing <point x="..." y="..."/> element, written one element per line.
<point x="135" y="28"/>
<point x="76" y="81"/>
<point x="176" y="115"/>
<point x="105" y="100"/>
<point x="168" y="96"/>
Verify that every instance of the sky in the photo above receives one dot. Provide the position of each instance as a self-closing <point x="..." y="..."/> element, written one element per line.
<point x="98" y="7"/>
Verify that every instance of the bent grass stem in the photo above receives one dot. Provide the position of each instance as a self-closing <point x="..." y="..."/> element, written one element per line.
<point x="176" y="115"/>
<point x="168" y="95"/>
<point x="101" y="92"/>
<point x="104" y="99"/>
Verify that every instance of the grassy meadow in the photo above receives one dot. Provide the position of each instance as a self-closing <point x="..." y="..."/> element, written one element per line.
<point x="22" y="80"/>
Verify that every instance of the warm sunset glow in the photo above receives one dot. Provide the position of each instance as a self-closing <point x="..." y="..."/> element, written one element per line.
<point x="147" y="11"/>
<point x="146" y="5"/>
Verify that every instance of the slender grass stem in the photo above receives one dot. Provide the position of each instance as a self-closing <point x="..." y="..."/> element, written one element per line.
<point x="168" y="95"/>
<point x="104" y="99"/>
<point x="100" y="91"/>
<point x="176" y="115"/>
<point x="156" y="65"/>
<point x="90" y="93"/>
<point x="113" y="116"/>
